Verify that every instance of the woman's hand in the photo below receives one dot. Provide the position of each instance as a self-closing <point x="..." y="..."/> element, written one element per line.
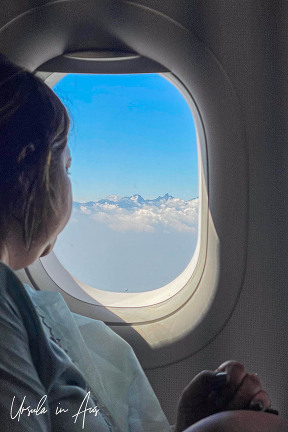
<point x="230" y="387"/>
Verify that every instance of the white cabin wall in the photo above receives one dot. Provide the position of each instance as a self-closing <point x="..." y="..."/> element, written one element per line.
<point x="250" y="41"/>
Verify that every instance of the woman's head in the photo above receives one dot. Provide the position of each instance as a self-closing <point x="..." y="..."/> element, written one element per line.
<point x="34" y="189"/>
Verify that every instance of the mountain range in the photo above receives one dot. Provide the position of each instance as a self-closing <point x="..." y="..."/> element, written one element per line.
<point x="132" y="202"/>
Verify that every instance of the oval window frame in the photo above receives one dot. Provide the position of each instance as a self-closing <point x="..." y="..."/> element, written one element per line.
<point x="117" y="303"/>
<point x="193" y="325"/>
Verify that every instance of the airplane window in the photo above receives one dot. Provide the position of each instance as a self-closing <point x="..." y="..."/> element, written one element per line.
<point x="134" y="173"/>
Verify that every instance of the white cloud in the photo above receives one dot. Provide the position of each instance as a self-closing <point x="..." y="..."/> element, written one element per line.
<point x="85" y="210"/>
<point x="175" y="214"/>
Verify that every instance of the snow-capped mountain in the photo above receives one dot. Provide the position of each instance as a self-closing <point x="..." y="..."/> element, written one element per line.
<point x="134" y="213"/>
<point x="134" y="201"/>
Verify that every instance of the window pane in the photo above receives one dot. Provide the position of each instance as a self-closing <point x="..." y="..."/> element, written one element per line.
<point x="134" y="171"/>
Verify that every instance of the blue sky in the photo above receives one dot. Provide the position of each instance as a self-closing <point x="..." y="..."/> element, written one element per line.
<point x="130" y="134"/>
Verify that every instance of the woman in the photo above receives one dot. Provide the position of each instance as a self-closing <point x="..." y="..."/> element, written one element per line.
<point x="41" y="386"/>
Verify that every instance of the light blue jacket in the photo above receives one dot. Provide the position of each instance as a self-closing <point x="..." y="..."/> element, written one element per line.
<point x="74" y="372"/>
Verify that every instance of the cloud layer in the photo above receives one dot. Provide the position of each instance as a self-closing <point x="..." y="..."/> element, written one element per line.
<point x="144" y="216"/>
<point x="129" y="244"/>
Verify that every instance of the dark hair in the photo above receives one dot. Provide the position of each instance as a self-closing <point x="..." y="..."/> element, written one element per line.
<point x="33" y="132"/>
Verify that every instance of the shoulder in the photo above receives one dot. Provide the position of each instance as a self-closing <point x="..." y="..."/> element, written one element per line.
<point x="16" y="308"/>
<point x="9" y="281"/>
<point x="11" y="289"/>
